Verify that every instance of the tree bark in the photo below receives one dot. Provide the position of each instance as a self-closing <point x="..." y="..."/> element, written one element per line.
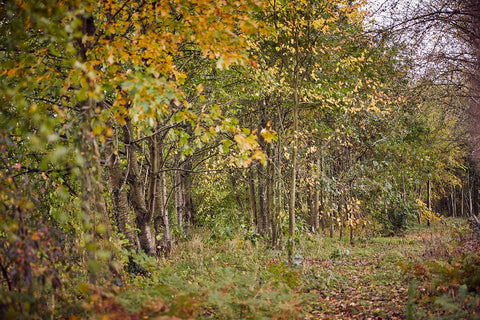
<point x="454" y="203"/>
<point x="429" y="199"/>
<point x="332" y="223"/>
<point x="157" y="196"/>
<point x="87" y="183"/>
<point x="270" y="207"/>
<point x="143" y="216"/>
<point x="316" y="203"/>
<point x="462" y="199"/>
<point x="262" y="227"/>
<point x="186" y="189"/>
<point x="161" y="221"/>
<point x="293" y="176"/>
<point x="470" y="202"/>
<point x="352" y="235"/>
<point x="262" y="174"/>
<point x="475" y="195"/>
<point x="92" y="200"/>
<point x="340" y="214"/>
<point x="238" y="198"/>
<point x="278" y="199"/>
<point x="121" y="208"/>
<point x="296" y="103"/>
<point x="253" y="201"/>
<point x="179" y="202"/>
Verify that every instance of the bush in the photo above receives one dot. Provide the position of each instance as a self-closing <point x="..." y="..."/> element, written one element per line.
<point x="397" y="217"/>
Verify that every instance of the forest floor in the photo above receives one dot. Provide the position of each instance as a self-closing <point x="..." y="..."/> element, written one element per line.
<point x="426" y="273"/>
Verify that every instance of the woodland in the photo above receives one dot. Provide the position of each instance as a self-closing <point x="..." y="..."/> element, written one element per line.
<point x="239" y="159"/>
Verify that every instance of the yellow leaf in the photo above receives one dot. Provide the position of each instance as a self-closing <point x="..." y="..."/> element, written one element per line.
<point x="268" y="135"/>
<point x="109" y="132"/>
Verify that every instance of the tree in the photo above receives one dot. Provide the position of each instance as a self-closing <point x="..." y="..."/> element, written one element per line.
<point x="79" y="82"/>
<point x="445" y="33"/>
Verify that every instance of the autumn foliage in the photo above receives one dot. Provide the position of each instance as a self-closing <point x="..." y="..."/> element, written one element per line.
<point x="185" y="158"/>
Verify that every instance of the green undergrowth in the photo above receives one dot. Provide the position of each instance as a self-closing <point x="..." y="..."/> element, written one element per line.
<point x="445" y="277"/>
<point x="424" y="274"/>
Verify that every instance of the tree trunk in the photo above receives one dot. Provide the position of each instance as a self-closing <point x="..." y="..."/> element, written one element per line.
<point x="316" y="203"/>
<point x="87" y="183"/>
<point x="340" y="214"/>
<point x="186" y="189"/>
<point x="470" y="202"/>
<point x="158" y="196"/>
<point x="143" y="216"/>
<point x="277" y="214"/>
<point x="324" y="199"/>
<point x="429" y="199"/>
<point x="92" y="200"/>
<point x="475" y="195"/>
<point x="262" y="178"/>
<point x="253" y="202"/>
<point x="153" y="179"/>
<point x="296" y="103"/>
<point x="332" y="222"/>
<point x="179" y="201"/>
<point x="121" y="208"/>
<point x="352" y="235"/>
<point x="160" y="219"/>
<point x="454" y="203"/>
<point x="419" y="191"/>
<point x="270" y="207"/>
<point x="462" y="213"/>
<point x="312" y="207"/>
<point x="238" y="198"/>
<point x="262" y="227"/>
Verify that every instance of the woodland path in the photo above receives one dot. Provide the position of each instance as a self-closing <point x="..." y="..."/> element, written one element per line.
<point x="371" y="280"/>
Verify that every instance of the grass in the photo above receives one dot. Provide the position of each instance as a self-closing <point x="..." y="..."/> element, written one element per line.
<point x="419" y="275"/>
